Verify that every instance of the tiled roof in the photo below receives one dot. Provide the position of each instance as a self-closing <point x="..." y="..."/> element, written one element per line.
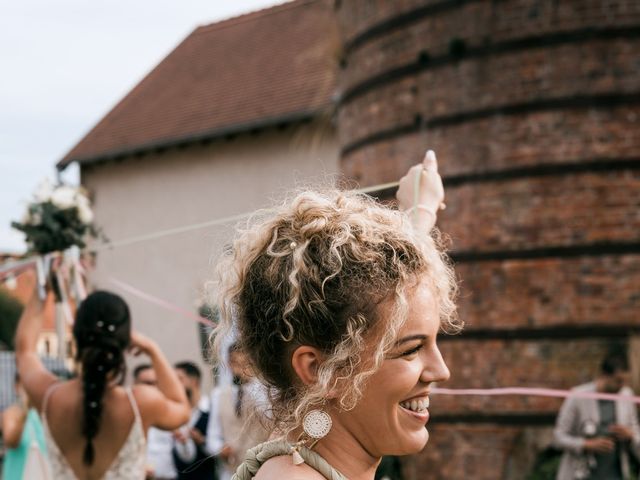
<point x="253" y="70"/>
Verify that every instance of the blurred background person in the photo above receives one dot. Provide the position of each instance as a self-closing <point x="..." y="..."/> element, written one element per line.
<point x="144" y="374"/>
<point x="599" y="437"/>
<point x="159" y="442"/>
<point x="190" y="455"/>
<point x="93" y="426"/>
<point x="235" y="423"/>
<point x="21" y="428"/>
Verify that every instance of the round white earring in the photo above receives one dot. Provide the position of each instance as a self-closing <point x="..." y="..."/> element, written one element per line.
<point x="316" y="424"/>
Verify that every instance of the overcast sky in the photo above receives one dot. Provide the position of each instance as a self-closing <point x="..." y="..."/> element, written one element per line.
<point x="64" y="65"/>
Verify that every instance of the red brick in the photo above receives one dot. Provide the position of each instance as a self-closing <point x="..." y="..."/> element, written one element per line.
<point x="501" y="80"/>
<point x="505" y="142"/>
<point x="552" y="292"/>
<point x="553" y="363"/>
<point x="526" y="213"/>
<point x="492" y="24"/>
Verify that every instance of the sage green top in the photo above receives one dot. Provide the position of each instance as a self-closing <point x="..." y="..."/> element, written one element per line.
<point x="256" y="456"/>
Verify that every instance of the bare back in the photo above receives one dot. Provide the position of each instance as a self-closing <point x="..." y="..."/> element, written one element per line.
<point x="118" y="424"/>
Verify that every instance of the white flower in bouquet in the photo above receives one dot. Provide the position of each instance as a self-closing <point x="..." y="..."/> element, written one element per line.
<point x="26" y="217"/>
<point x="44" y="191"/>
<point x="59" y="218"/>
<point x="64" y="197"/>
<point x="84" y="209"/>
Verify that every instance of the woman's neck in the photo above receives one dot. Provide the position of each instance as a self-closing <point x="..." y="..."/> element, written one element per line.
<point x="347" y="455"/>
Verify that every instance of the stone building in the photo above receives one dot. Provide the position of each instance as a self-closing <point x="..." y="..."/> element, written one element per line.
<point x="534" y="109"/>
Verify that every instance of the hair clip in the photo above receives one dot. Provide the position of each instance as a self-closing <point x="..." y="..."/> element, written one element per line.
<point x="293" y="245"/>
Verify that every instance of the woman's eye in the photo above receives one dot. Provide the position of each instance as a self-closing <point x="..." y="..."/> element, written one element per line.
<point x="411" y="352"/>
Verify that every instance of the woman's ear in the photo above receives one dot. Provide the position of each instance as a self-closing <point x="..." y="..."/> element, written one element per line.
<point x="305" y="362"/>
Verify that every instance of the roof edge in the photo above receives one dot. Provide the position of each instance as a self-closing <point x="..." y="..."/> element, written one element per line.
<point x="217" y="133"/>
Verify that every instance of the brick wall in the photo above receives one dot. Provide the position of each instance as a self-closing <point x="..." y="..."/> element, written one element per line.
<point x="534" y="110"/>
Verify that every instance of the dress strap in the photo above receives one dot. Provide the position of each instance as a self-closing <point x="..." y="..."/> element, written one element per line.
<point x="134" y="404"/>
<point x="258" y="455"/>
<point x="47" y="395"/>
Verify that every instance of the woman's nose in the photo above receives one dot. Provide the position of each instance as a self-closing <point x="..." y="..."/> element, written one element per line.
<point x="435" y="369"/>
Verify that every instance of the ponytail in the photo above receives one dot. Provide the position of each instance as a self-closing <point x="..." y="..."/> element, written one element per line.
<point x="98" y="363"/>
<point x="102" y="331"/>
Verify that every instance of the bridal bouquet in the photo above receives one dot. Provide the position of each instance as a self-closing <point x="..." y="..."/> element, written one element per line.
<point x="58" y="218"/>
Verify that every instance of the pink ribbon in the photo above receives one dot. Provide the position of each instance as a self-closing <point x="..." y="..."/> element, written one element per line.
<point x="534" y="392"/>
<point x="160" y="302"/>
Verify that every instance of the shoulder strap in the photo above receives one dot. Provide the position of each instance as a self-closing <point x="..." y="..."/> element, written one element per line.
<point x="134" y="404"/>
<point x="47" y="395"/>
<point x="256" y="456"/>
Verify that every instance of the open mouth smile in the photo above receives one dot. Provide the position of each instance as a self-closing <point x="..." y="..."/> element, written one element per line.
<point x="417" y="407"/>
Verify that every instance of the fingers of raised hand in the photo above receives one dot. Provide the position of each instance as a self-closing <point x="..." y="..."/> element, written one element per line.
<point x="430" y="162"/>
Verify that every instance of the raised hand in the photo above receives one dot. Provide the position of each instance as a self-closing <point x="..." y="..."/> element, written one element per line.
<point x="421" y="192"/>
<point x="141" y="344"/>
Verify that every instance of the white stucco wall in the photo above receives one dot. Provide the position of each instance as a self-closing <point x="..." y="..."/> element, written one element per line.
<point x="135" y="197"/>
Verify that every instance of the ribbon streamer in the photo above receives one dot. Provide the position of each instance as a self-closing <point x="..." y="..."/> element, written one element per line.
<point x="160" y="302"/>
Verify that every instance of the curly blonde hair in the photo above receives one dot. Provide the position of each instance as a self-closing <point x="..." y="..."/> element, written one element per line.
<point x="313" y="273"/>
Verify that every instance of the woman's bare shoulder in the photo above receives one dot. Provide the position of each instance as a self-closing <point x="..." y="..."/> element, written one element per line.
<point x="280" y="467"/>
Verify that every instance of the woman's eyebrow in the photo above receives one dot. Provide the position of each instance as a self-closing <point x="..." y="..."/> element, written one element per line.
<point x="410" y="338"/>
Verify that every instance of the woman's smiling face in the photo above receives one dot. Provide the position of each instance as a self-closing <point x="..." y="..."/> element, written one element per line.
<point x="390" y="417"/>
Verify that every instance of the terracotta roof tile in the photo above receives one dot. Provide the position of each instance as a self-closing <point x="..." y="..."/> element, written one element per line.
<point x="257" y="68"/>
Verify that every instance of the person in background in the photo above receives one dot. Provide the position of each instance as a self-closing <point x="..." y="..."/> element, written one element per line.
<point x="144" y="374"/>
<point x="598" y="437"/>
<point x="191" y="458"/>
<point x="234" y="424"/>
<point x="20" y="428"/>
<point x="94" y="427"/>
<point x="159" y="442"/>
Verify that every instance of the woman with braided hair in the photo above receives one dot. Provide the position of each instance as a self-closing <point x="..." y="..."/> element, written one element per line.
<point x="94" y="427"/>
<point x="337" y="302"/>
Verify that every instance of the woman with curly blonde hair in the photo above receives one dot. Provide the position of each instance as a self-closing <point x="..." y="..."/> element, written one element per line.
<point x="337" y="300"/>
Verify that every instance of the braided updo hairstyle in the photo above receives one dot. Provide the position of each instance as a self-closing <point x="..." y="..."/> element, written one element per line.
<point x="102" y="331"/>
<point x="313" y="272"/>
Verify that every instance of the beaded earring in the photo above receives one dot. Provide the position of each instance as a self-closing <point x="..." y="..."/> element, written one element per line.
<point x="316" y="424"/>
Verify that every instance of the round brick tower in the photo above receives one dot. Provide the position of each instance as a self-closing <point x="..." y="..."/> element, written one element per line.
<point x="533" y="107"/>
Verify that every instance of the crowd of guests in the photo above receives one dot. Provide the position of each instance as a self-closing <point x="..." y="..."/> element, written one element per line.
<point x="222" y="426"/>
<point x="93" y="426"/>
<point x="210" y="445"/>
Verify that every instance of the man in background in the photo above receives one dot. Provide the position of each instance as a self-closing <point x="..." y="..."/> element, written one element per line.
<point x="600" y="438"/>
<point x="159" y="442"/>
<point x="192" y="459"/>
<point x="235" y="424"/>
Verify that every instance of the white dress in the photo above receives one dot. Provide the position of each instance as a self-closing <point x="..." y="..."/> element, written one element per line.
<point x="129" y="463"/>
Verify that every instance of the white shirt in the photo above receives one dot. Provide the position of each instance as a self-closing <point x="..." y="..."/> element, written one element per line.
<point x="159" y="457"/>
<point x="256" y="393"/>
